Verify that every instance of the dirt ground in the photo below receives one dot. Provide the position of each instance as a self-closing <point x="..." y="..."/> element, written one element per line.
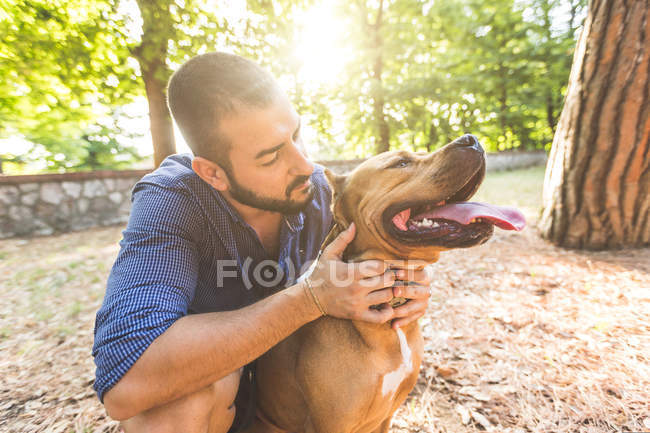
<point x="521" y="336"/>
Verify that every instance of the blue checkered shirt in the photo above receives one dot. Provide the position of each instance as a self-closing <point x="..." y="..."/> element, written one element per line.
<point x="185" y="250"/>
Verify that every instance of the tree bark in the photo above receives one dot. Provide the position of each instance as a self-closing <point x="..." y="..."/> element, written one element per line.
<point x="151" y="54"/>
<point x="597" y="184"/>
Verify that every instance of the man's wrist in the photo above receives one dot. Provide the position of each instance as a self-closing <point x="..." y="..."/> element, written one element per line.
<point x="310" y="289"/>
<point x="307" y="304"/>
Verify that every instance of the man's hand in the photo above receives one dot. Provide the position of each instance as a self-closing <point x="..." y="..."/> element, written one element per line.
<point x="347" y="290"/>
<point x="416" y="287"/>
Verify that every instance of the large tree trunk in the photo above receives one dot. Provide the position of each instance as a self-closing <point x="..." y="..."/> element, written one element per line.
<point x="597" y="186"/>
<point x="151" y="54"/>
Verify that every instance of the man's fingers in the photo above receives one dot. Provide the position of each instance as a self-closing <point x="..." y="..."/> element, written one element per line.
<point x="377" y="282"/>
<point x="369" y="268"/>
<point x="408" y="264"/>
<point x="414" y="291"/>
<point x="408" y="312"/>
<point x="380" y="296"/>
<point x="401" y="322"/>
<point x="377" y="316"/>
<point x="422" y="276"/>
<point x="335" y="249"/>
<point x="412" y="306"/>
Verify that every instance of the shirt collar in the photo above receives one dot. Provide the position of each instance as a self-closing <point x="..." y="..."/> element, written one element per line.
<point x="231" y="211"/>
<point x="295" y="222"/>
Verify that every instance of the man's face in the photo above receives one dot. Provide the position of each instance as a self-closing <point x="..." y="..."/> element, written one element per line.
<point x="269" y="169"/>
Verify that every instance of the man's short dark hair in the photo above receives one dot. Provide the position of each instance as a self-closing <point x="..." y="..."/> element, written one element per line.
<point x="209" y="87"/>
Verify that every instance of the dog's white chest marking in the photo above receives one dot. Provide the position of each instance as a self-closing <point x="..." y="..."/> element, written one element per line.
<point x="391" y="381"/>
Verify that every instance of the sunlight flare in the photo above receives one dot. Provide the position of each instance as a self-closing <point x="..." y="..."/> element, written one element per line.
<point x="320" y="47"/>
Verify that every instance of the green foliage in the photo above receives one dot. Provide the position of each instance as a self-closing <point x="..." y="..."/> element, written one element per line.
<point x="100" y="147"/>
<point x="63" y="66"/>
<point x="70" y="66"/>
<point x="438" y="69"/>
<point x="498" y="70"/>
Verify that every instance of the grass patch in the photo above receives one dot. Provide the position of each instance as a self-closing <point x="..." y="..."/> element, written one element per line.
<point x="74" y="265"/>
<point x="28" y="347"/>
<point x="519" y="188"/>
<point x="65" y="331"/>
<point x="75" y="309"/>
<point x="44" y="314"/>
<point x="5" y="332"/>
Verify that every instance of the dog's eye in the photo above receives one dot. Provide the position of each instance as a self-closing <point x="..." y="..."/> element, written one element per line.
<point x="401" y="163"/>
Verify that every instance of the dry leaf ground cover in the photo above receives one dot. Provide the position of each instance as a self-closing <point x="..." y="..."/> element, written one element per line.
<point x="520" y="336"/>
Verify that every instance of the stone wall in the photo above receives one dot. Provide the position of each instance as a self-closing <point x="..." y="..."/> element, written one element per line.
<point x="53" y="203"/>
<point x="50" y="203"/>
<point x="495" y="161"/>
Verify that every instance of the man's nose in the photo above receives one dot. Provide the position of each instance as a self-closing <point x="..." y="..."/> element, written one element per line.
<point x="301" y="166"/>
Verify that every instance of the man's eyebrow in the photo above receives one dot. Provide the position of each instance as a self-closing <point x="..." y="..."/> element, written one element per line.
<point x="261" y="153"/>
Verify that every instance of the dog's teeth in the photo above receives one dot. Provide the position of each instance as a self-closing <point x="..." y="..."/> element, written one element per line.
<point x="435" y="224"/>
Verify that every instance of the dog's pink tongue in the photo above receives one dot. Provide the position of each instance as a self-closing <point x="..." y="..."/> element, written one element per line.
<point x="401" y="219"/>
<point x="507" y="218"/>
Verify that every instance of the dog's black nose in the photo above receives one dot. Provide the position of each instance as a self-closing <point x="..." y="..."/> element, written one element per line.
<point x="468" y="140"/>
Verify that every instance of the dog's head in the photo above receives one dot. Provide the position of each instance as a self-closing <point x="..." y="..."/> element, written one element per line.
<point x="408" y="205"/>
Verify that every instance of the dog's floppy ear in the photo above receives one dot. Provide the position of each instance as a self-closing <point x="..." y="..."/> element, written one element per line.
<point x="336" y="182"/>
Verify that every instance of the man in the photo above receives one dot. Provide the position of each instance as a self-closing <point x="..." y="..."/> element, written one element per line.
<point x="205" y="279"/>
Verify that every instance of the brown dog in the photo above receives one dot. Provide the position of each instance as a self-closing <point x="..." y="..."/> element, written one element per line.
<point x="343" y="376"/>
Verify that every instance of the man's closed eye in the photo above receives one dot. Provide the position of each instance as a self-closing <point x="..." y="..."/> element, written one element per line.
<point x="275" y="158"/>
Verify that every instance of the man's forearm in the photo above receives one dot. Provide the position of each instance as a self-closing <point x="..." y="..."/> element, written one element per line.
<point x="200" y="349"/>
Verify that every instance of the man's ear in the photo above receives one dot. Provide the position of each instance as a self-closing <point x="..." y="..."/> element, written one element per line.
<point x="211" y="172"/>
<point x="336" y="182"/>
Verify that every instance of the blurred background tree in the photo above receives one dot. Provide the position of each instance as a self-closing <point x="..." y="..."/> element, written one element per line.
<point x="367" y="76"/>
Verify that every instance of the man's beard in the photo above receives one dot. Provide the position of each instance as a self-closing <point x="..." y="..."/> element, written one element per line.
<point x="252" y="199"/>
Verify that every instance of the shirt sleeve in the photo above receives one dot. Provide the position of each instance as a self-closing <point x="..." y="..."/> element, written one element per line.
<point x="152" y="281"/>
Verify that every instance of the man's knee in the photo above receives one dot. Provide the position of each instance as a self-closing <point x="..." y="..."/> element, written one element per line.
<point x="225" y="390"/>
<point x="210" y="409"/>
